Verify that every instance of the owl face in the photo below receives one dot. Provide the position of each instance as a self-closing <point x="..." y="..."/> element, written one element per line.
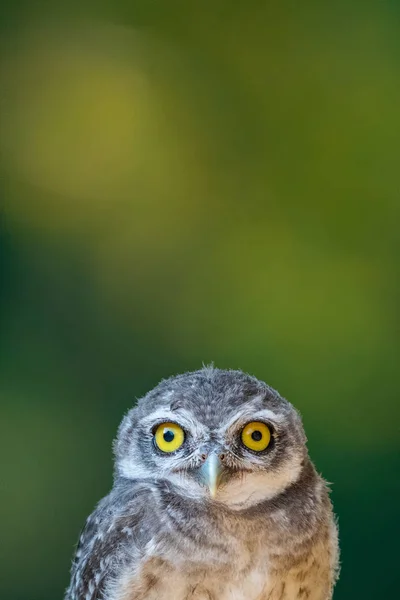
<point x="218" y="436"/>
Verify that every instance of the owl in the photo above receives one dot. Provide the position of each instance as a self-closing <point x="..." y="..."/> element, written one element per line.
<point x="214" y="498"/>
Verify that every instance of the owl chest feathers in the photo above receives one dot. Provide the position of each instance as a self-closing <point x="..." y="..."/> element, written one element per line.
<point x="242" y="575"/>
<point x="211" y="556"/>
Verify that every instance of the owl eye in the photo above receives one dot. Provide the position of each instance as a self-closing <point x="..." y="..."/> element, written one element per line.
<point x="256" y="436"/>
<point x="169" y="437"/>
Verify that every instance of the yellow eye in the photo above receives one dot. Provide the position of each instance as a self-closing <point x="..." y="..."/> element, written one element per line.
<point x="169" y="437"/>
<point x="256" y="436"/>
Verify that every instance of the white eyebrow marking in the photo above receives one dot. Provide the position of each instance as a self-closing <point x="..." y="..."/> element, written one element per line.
<point x="268" y="414"/>
<point x="180" y="416"/>
<point x="250" y="414"/>
<point x="164" y="414"/>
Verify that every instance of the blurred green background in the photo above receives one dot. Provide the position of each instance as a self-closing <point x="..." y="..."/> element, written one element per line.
<point x="186" y="182"/>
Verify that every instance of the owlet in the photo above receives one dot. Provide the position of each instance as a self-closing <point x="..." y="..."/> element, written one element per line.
<point x="214" y="498"/>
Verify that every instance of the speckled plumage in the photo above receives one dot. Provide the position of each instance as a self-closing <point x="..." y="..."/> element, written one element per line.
<point x="269" y="534"/>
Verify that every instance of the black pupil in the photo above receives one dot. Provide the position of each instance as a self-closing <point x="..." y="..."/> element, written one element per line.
<point x="256" y="436"/>
<point x="168" y="435"/>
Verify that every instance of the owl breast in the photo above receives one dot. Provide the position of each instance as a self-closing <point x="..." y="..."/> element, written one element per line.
<point x="164" y="583"/>
<point x="248" y="574"/>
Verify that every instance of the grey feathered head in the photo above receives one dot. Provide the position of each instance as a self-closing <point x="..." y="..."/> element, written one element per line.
<point x="214" y="435"/>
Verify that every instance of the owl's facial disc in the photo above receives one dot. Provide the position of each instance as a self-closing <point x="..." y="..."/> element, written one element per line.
<point x="239" y="463"/>
<point x="247" y="459"/>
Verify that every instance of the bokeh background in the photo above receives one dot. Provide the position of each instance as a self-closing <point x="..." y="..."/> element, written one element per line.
<point x="187" y="182"/>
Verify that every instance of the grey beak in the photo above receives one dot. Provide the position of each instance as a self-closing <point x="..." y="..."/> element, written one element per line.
<point x="212" y="472"/>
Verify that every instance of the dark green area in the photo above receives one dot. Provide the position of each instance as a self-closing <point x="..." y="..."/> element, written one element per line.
<point x="185" y="183"/>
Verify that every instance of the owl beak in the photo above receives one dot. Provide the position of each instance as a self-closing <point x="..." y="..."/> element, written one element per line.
<point x="212" y="472"/>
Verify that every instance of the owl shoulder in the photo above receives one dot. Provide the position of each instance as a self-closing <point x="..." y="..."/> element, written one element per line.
<point x="113" y="535"/>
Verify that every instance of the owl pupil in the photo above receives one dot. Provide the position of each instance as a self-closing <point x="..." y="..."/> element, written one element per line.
<point x="168" y="435"/>
<point x="256" y="436"/>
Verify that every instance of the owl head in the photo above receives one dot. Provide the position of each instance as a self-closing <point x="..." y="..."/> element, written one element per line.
<point x="216" y="436"/>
